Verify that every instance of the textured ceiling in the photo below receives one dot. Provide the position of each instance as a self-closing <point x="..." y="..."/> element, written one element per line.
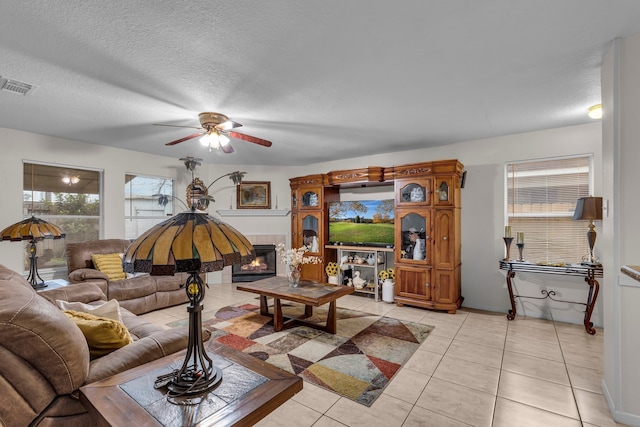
<point x="322" y="80"/>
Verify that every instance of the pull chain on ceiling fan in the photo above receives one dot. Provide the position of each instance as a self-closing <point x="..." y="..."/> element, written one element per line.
<point x="216" y="131"/>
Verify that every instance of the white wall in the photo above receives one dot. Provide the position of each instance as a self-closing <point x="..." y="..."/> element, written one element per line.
<point x="483" y="285"/>
<point x="621" y="151"/>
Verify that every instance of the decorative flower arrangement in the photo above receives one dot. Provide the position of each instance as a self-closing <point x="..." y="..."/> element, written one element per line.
<point x="331" y="269"/>
<point x="295" y="257"/>
<point x="389" y="273"/>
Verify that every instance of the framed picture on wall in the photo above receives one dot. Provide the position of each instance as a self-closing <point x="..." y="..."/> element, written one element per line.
<point x="254" y="195"/>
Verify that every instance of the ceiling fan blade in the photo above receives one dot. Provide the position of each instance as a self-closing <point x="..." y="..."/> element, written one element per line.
<point x="227" y="148"/>
<point x="186" y="138"/>
<point x="177" y="126"/>
<point x="229" y="124"/>
<point x="249" y="138"/>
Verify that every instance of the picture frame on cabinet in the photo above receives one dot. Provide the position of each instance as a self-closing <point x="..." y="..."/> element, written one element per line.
<point x="253" y="195"/>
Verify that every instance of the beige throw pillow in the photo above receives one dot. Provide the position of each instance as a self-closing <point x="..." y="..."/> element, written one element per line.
<point x="110" y="309"/>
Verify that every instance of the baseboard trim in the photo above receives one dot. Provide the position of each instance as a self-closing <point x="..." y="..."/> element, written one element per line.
<point x="618" y="416"/>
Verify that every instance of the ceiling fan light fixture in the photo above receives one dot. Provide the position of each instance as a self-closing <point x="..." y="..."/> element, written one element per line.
<point x="215" y="132"/>
<point x="595" y="111"/>
<point x="70" y="179"/>
<point x="207" y="139"/>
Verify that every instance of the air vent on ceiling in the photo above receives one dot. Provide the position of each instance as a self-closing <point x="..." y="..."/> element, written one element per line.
<point x="16" y="86"/>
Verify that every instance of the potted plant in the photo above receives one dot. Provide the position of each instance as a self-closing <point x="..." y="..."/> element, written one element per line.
<point x="332" y="272"/>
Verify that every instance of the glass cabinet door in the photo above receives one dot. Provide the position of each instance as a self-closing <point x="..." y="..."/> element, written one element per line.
<point x="310" y="199"/>
<point x="310" y="232"/>
<point x="414" y="237"/>
<point x="416" y="191"/>
<point x="443" y="192"/>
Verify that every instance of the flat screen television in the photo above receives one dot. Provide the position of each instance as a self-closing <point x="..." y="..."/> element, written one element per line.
<point x="362" y="223"/>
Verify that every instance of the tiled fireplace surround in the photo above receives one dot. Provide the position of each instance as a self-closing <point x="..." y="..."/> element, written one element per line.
<point x="261" y="239"/>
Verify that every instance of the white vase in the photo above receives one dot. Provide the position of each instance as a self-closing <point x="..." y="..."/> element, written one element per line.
<point x="387" y="290"/>
<point x="333" y="280"/>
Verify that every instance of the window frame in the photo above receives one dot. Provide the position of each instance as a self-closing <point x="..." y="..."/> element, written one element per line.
<point x="581" y="245"/>
<point x="28" y="211"/>
<point x="157" y="218"/>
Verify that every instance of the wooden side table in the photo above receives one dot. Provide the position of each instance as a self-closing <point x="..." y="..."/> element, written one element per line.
<point x="250" y="390"/>
<point x="588" y="272"/>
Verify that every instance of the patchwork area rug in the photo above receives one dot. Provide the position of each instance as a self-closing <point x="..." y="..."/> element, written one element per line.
<point x="357" y="362"/>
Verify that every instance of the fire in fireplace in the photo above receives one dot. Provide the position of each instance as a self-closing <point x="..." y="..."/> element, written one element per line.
<point x="263" y="266"/>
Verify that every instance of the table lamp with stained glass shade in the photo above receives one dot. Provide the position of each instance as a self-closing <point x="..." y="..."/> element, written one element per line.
<point x="589" y="209"/>
<point x="32" y="229"/>
<point x="192" y="242"/>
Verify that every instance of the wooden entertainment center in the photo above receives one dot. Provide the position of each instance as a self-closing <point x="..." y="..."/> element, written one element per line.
<point x="427" y="226"/>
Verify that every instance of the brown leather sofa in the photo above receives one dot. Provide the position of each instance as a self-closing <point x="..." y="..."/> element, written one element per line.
<point x="137" y="294"/>
<point x="45" y="358"/>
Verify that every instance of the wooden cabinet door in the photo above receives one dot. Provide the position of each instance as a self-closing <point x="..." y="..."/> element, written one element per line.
<point x="413" y="282"/>
<point x="296" y="237"/>
<point x="443" y="191"/>
<point x="417" y="222"/>
<point x="446" y="289"/>
<point x="313" y="272"/>
<point x="444" y="239"/>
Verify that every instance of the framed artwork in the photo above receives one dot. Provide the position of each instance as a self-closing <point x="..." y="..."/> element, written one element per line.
<point x="254" y="195"/>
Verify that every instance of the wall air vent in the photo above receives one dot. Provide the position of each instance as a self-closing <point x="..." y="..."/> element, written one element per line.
<point x="16" y="86"/>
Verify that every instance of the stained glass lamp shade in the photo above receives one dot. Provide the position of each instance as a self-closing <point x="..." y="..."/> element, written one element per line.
<point x="191" y="242"/>
<point x="32" y="229"/>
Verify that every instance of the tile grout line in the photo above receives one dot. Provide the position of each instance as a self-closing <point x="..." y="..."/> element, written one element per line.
<point x="564" y="360"/>
<point x="504" y="348"/>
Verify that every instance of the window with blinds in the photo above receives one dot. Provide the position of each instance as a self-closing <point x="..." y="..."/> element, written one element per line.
<point x="68" y="197"/>
<point x="541" y="197"/>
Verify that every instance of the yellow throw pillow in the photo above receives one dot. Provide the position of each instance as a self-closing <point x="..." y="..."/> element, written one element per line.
<point x="103" y="335"/>
<point x="109" y="264"/>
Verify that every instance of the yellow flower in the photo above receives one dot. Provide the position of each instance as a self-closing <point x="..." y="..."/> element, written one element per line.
<point x="383" y="274"/>
<point x="391" y="272"/>
<point x="331" y="269"/>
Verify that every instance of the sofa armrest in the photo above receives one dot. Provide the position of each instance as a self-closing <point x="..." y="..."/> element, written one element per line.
<point x="82" y="274"/>
<point x="143" y="351"/>
<point x="80" y="292"/>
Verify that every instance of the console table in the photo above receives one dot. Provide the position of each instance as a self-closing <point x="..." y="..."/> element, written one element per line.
<point x="589" y="273"/>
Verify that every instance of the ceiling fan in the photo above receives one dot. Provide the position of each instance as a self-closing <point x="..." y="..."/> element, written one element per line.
<point x="216" y="129"/>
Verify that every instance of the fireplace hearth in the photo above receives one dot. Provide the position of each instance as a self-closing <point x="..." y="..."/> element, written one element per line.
<point x="262" y="267"/>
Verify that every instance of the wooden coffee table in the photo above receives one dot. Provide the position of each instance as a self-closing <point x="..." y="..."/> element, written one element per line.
<point x="250" y="389"/>
<point x="310" y="293"/>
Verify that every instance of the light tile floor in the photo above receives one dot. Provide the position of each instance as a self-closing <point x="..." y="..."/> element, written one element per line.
<point x="475" y="369"/>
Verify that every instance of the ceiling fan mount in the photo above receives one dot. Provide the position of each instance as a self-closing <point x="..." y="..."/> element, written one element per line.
<point x="209" y="120"/>
<point x="216" y="129"/>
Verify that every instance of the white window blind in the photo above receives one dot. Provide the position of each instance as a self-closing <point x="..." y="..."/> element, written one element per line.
<point x="541" y="199"/>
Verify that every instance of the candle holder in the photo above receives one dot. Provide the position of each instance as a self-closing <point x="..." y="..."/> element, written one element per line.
<point x="520" y="249"/>
<point x="507" y="243"/>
